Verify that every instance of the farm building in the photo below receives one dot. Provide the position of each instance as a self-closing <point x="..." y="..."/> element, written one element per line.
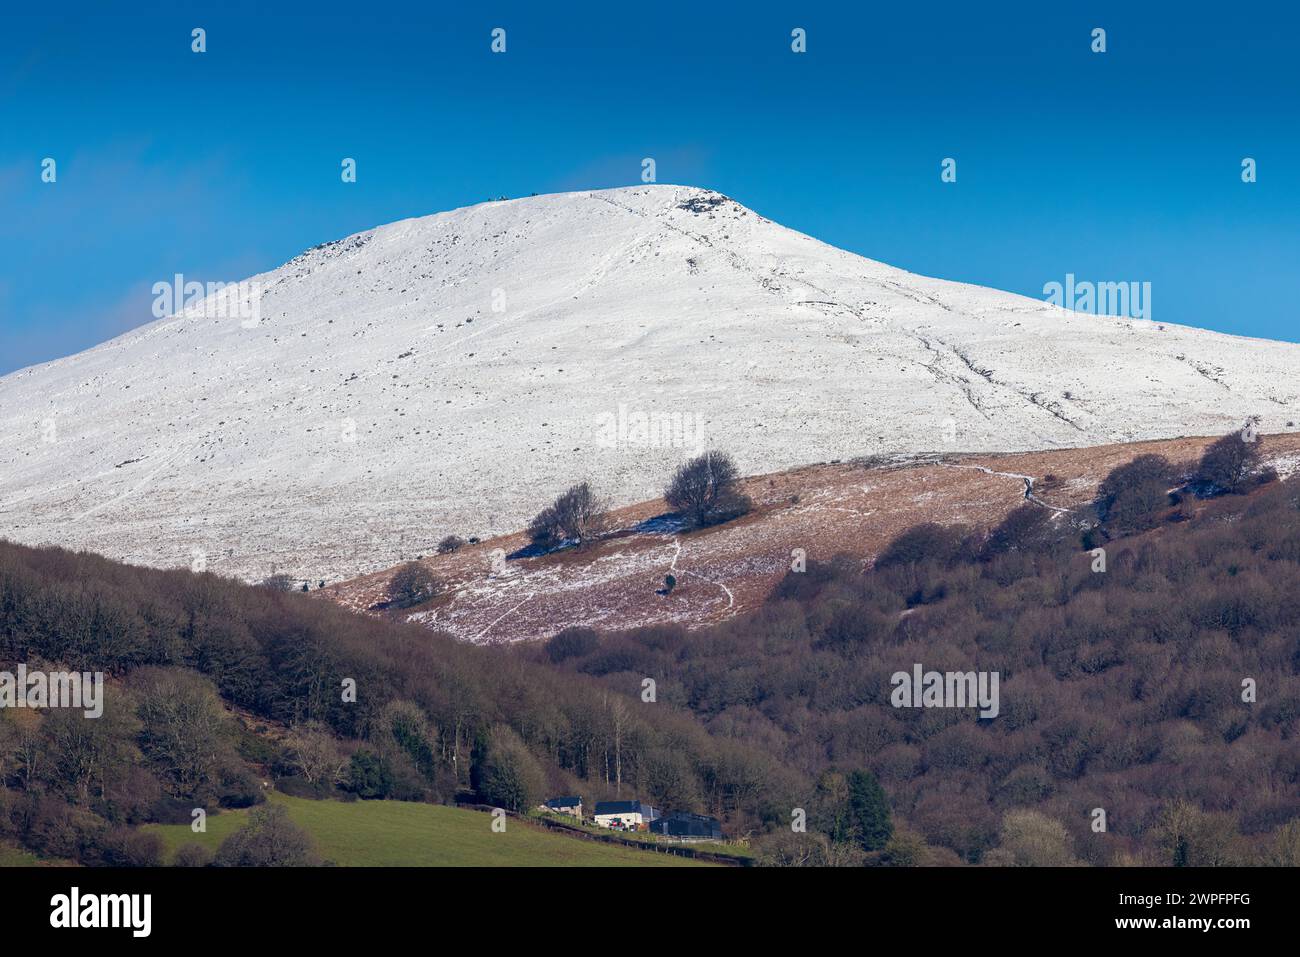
<point x="625" y="815"/>
<point x="681" y="824"/>
<point x="571" y="806"/>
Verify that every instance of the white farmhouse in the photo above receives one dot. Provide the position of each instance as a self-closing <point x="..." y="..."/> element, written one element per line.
<point x="625" y="815"/>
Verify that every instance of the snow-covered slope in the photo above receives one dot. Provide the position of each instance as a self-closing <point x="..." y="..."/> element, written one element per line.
<point x="451" y="373"/>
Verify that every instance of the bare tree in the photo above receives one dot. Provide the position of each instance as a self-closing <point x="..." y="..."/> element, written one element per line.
<point x="1229" y="461"/>
<point x="704" y="489"/>
<point x="20" y="742"/>
<point x="269" y="839"/>
<point x="450" y="544"/>
<point x="576" y="515"/>
<point x="412" y="585"/>
<point x="182" y="733"/>
<point x="618" y="726"/>
<point x="315" y="754"/>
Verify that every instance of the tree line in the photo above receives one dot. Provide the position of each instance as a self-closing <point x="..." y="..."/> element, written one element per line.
<point x="431" y="719"/>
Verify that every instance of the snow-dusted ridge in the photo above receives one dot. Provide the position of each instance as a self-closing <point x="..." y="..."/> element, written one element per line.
<point x="383" y="402"/>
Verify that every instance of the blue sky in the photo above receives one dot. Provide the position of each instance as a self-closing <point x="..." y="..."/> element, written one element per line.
<point x="1117" y="166"/>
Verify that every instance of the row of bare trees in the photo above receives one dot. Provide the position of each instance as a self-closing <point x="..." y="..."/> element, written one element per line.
<point x="703" y="491"/>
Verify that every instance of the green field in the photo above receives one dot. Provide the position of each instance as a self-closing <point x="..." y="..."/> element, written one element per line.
<point x="402" y="834"/>
<point x="11" y="855"/>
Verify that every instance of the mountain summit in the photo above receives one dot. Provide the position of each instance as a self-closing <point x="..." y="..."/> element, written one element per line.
<point x="450" y="374"/>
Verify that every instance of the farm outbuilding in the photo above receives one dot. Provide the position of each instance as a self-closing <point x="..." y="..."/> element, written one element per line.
<point x="681" y="824"/>
<point x="570" y="805"/>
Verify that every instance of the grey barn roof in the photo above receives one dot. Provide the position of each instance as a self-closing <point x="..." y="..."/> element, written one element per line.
<point x="625" y="807"/>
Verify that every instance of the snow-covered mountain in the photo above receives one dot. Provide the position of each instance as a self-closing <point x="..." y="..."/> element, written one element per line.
<point x="452" y="373"/>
